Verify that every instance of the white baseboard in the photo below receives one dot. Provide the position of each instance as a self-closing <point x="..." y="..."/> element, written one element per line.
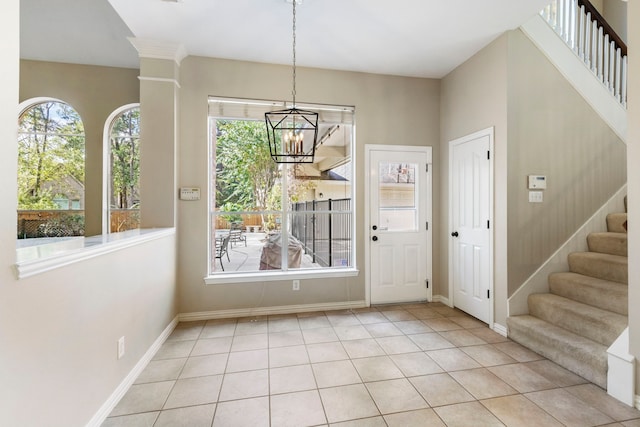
<point x="266" y="311"/>
<point x="501" y="329"/>
<point x="637" y="402"/>
<point x="115" y="397"/>
<point x="443" y="300"/>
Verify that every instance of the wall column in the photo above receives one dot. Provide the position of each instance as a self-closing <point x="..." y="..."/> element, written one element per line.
<point x="159" y="93"/>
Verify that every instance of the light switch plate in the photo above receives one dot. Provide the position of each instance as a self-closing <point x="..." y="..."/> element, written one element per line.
<point x="536" y="196"/>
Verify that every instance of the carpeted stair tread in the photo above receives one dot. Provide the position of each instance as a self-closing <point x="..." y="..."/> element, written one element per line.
<point x="600" y="293"/>
<point x="615" y="222"/>
<point x="580" y="355"/>
<point x="602" y="266"/>
<point x="608" y="243"/>
<point x="599" y="325"/>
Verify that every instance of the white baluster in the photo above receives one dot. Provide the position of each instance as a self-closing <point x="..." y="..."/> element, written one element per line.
<point x="605" y="61"/>
<point x="612" y="62"/>
<point x="594" y="46"/>
<point x="623" y="95"/>
<point x="600" y="52"/>
<point x="581" y="36"/>
<point x="560" y="18"/>
<point x="618" y="69"/>
<point x="587" y="41"/>
<point x="574" y="24"/>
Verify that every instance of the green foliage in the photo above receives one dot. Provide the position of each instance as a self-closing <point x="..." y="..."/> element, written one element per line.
<point x="50" y="149"/>
<point x="125" y="160"/>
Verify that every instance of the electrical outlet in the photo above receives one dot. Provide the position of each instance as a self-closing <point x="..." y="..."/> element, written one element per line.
<point x="121" y="348"/>
<point x="296" y="285"/>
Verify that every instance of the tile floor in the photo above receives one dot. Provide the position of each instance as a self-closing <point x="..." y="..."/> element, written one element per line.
<point x="400" y="365"/>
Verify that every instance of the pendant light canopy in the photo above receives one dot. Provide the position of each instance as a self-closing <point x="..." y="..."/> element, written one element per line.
<point x="292" y="133"/>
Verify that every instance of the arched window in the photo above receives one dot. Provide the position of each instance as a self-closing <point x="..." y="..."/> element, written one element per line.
<point x="51" y="170"/>
<point x="124" y="170"/>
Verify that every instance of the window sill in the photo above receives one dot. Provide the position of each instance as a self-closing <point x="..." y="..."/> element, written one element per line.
<point x="40" y="258"/>
<point x="226" y="278"/>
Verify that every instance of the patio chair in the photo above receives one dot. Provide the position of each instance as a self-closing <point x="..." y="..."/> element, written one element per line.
<point x="237" y="234"/>
<point x="222" y="247"/>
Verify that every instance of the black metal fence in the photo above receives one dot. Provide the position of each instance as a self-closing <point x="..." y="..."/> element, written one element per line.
<point x="324" y="227"/>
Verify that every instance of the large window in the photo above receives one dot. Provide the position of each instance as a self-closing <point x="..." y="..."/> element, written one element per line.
<point x="51" y="150"/>
<point x="124" y="171"/>
<point x="269" y="217"/>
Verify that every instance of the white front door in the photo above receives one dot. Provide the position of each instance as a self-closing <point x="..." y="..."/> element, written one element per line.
<point x="399" y="211"/>
<point x="470" y="228"/>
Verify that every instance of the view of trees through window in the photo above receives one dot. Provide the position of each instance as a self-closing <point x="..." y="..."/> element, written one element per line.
<point x="124" y="161"/>
<point x="259" y="206"/>
<point x="51" y="150"/>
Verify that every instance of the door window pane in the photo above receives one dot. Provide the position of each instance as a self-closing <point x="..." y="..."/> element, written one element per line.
<point x="398" y="197"/>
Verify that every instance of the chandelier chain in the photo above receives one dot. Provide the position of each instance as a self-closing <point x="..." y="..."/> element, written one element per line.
<point x="293" y="92"/>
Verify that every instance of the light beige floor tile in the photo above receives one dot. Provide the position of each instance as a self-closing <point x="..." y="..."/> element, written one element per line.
<point x="462" y="338"/>
<point x="143" y="398"/>
<point x="452" y="359"/>
<point x="467" y="322"/>
<point x="440" y="389"/>
<point x="297" y="409"/>
<point x="248" y="360"/>
<point x="430" y="341"/>
<point x="283" y="325"/>
<point x="487" y="355"/>
<point x="353" y="332"/>
<point x="318" y="335"/>
<point x="415" y="364"/>
<point x="242" y="385"/>
<point x="212" y="346"/>
<point x="161" y="370"/>
<point x="251" y="328"/>
<point x="371" y="318"/>
<point x="555" y="373"/>
<point x="347" y="403"/>
<point x="194" y="391"/>
<point x="448" y="311"/>
<point x="413" y="327"/>
<point x="193" y="416"/>
<point x="346" y="319"/>
<point x="363" y="422"/>
<point x="482" y="384"/>
<point x="285" y="339"/>
<point x="379" y="330"/>
<point x="518" y="352"/>
<point x="326" y="352"/>
<point x="333" y="374"/>
<point x="185" y="333"/>
<point x="290" y="379"/>
<point x="395" y="396"/>
<point x="631" y="423"/>
<point x="398" y="315"/>
<point x="314" y="322"/>
<point x="397" y="345"/>
<point x="599" y="399"/>
<point x="567" y="408"/>
<point x="518" y="411"/>
<point x="246" y="412"/>
<point x="522" y="378"/>
<point x="363" y="348"/>
<point x="424" y="313"/>
<point x="200" y="366"/>
<point x="488" y="335"/>
<point x="288" y="356"/>
<point x="250" y="342"/>
<point x="174" y="350"/>
<point x="376" y="368"/>
<point x="466" y="415"/>
<point x="146" y="419"/>
<point x="441" y="324"/>
<point x="421" y="417"/>
<point x="218" y="330"/>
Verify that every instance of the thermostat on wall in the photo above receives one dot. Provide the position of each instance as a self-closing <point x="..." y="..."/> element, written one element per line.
<point x="537" y="182"/>
<point x="189" y="193"/>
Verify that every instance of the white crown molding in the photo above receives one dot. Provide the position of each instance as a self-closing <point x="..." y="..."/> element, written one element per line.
<point x="155" y="49"/>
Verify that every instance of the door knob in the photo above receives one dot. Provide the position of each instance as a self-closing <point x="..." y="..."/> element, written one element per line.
<point x="375" y="227"/>
<point x="454" y="234"/>
<point x="374" y="238"/>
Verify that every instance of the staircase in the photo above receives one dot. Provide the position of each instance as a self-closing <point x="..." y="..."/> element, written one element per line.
<point x="585" y="309"/>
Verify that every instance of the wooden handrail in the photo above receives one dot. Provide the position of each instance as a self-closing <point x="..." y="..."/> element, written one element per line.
<point x="596" y="16"/>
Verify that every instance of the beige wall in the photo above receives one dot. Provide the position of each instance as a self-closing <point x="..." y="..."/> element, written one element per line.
<point x="389" y="110"/>
<point x="552" y="131"/>
<point x="95" y="92"/>
<point x="474" y="97"/>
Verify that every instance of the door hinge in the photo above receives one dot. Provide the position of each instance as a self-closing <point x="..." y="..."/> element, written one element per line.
<point x="427" y="282"/>
<point x="488" y="155"/>
<point x="427" y="167"/>
<point x="427" y="225"/>
<point x="488" y="226"/>
<point x="488" y="293"/>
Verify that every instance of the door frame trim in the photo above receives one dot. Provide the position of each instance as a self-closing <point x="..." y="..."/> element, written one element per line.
<point x="368" y="148"/>
<point x="490" y="131"/>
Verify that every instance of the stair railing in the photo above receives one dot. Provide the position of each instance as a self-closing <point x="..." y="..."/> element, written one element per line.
<point x="589" y="35"/>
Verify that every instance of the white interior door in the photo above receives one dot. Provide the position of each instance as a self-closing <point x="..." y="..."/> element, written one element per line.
<point x="470" y="228"/>
<point x="399" y="203"/>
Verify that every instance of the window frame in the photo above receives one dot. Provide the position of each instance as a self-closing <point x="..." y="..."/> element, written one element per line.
<point x="222" y="277"/>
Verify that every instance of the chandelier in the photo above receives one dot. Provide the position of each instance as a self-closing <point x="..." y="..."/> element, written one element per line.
<point x="292" y="133"/>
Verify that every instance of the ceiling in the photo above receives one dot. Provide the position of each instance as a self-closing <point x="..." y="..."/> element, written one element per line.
<point x="420" y="38"/>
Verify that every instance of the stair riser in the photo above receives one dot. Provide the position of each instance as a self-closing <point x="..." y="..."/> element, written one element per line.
<point x="600" y="268"/>
<point x="615" y="222"/>
<point x="608" y="243"/>
<point x="616" y="299"/>
<point x="594" y="370"/>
